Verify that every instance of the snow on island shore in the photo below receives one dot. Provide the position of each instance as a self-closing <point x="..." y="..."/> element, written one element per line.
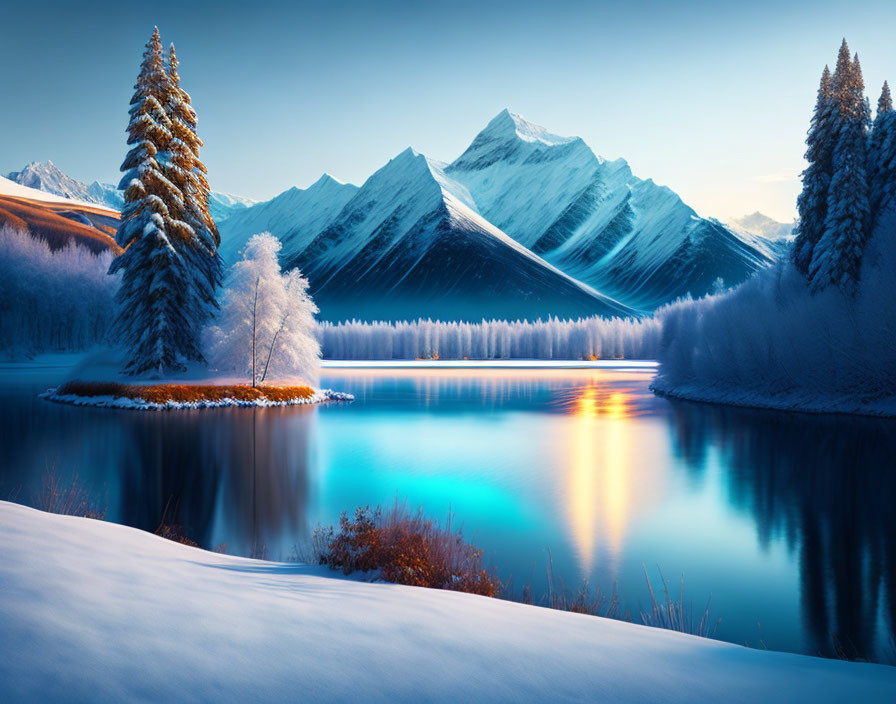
<point x="93" y="611"/>
<point x="159" y="397"/>
<point x="95" y="379"/>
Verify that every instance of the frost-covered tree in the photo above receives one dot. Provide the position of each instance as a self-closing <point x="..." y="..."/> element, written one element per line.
<point x="882" y="156"/>
<point x="154" y="323"/>
<point x="184" y="168"/>
<point x="51" y="299"/>
<point x="585" y="338"/>
<point x="812" y="202"/>
<point x="266" y="327"/>
<point x="837" y="257"/>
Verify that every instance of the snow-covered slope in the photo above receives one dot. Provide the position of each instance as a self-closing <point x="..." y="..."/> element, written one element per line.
<point x="17" y="190"/>
<point x="595" y="220"/>
<point x="48" y="178"/>
<point x="97" y="612"/>
<point x="57" y="220"/>
<point x="223" y="205"/>
<point x="295" y="216"/>
<point x="410" y="243"/>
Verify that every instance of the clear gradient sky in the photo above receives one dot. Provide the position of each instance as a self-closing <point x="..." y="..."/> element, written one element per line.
<point x="710" y="98"/>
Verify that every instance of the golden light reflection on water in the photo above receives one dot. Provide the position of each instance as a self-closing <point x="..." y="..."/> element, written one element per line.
<point x="600" y="476"/>
<point x="602" y="452"/>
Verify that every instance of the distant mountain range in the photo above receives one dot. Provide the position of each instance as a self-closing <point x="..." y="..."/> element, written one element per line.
<point x="49" y="178"/>
<point x="420" y="237"/>
<point x="764" y="226"/>
<point x="524" y="224"/>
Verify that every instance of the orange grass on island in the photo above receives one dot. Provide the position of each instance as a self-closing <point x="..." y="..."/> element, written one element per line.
<point x="185" y="393"/>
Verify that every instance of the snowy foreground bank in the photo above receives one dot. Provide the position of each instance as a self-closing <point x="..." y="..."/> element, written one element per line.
<point x="93" y="611"/>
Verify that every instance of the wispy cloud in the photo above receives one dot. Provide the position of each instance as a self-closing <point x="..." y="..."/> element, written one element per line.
<point x="785" y="175"/>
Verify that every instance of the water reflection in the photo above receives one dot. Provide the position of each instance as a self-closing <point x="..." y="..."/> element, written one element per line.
<point x="599" y="495"/>
<point x="784" y="519"/>
<point x="825" y="486"/>
<point x="238" y="477"/>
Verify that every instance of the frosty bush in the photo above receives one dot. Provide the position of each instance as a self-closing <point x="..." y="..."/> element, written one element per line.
<point x="772" y="338"/>
<point x="266" y="327"/>
<point x="51" y="300"/>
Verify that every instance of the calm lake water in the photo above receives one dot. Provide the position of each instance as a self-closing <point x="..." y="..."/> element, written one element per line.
<point x="787" y="521"/>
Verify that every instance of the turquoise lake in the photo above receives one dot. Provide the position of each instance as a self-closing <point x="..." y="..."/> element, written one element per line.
<point x="786" y="521"/>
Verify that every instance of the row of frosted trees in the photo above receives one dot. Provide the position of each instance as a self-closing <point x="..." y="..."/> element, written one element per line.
<point x="51" y="300"/>
<point x="582" y="339"/>
<point x="850" y="181"/>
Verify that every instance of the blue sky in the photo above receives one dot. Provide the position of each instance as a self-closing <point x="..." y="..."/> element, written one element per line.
<point x="712" y="99"/>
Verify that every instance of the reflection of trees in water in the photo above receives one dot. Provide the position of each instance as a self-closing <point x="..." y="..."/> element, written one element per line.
<point x="233" y="475"/>
<point x="826" y="485"/>
<point x="225" y="475"/>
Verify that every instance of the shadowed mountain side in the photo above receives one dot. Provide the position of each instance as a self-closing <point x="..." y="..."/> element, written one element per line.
<point x="457" y="274"/>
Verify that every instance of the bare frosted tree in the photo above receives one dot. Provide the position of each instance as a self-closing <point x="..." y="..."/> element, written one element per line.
<point x="266" y="327"/>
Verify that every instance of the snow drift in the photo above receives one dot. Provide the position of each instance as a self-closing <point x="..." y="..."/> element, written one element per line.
<point x="98" y="612"/>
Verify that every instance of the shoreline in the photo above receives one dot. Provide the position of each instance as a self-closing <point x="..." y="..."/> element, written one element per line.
<point x="783" y="403"/>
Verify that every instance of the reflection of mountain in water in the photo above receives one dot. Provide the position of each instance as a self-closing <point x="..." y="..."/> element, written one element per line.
<point x="826" y="485"/>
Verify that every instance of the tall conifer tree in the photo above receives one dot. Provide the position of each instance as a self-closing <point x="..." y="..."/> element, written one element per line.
<point x="153" y="324"/>
<point x="882" y="156"/>
<point x="837" y="257"/>
<point x="186" y="170"/>
<point x="812" y="203"/>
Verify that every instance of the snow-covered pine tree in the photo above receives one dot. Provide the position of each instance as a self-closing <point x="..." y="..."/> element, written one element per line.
<point x="837" y="257"/>
<point x="199" y="244"/>
<point x="153" y="322"/>
<point x="812" y="202"/>
<point x="882" y="156"/>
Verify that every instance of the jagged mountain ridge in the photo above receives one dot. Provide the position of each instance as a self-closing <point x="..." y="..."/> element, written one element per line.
<point x="592" y="218"/>
<point x="409" y="243"/>
<point x="296" y="216"/>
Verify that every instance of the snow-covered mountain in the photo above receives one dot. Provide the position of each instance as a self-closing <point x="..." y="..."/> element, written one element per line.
<point x="49" y="178"/>
<point x="520" y="216"/>
<point x="295" y="216"/>
<point x="764" y="226"/>
<point x="592" y="218"/>
<point x="410" y="243"/>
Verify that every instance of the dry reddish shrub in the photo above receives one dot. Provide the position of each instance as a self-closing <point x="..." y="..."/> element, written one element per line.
<point x="175" y="533"/>
<point x="185" y="393"/>
<point x="407" y="549"/>
<point x="67" y="499"/>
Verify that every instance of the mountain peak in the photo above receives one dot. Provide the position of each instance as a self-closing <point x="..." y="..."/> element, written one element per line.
<point x="510" y="124"/>
<point x="762" y="225"/>
<point x="326" y="181"/>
